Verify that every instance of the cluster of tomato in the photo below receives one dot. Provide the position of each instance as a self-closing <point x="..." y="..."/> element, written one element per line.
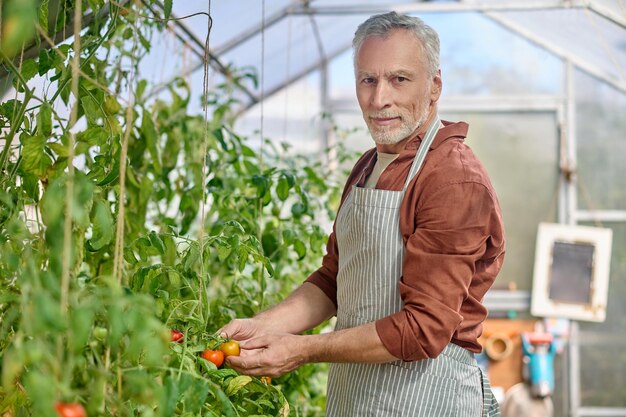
<point x="228" y="348"/>
<point x="217" y="356"/>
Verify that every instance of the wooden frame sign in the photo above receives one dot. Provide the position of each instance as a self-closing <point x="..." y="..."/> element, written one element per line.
<point x="571" y="274"/>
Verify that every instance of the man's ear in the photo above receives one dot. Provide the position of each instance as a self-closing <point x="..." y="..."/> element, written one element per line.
<point x="437" y="85"/>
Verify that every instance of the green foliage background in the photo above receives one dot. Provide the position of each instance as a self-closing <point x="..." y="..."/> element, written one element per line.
<point x="104" y="341"/>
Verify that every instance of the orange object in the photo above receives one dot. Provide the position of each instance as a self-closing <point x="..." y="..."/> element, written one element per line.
<point x="214" y="356"/>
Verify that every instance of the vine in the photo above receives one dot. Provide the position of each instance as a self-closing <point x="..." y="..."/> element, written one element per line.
<point x="97" y="207"/>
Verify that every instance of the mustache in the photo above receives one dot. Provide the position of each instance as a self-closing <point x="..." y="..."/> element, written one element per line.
<point x="384" y="115"/>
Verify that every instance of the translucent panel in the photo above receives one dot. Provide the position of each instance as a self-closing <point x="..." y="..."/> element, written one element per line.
<point x="509" y="64"/>
<point x="590" y="38"/>
<point x="603" y="345"/>
<point x="603" y="374"/>
<point x="520" y="152"/>
<point x="167" y="59"/>
<point x="292" y="116"/>
<point x="231" y="19"/>
<point x="601" y="129"/>
<point x="615" y="322"/>
<point x="290" y="50"/>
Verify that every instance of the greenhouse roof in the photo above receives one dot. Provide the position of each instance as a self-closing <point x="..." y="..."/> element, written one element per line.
<point x="285" y="40"/>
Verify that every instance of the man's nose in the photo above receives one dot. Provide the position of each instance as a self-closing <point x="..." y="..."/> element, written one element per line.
<point x="382" y="96"/>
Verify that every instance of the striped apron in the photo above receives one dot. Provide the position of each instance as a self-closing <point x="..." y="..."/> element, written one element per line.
<point x="371" y="253"/>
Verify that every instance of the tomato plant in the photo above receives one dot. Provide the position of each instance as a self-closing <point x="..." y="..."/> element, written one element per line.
<point x="214" y="356"/>
<point x="230" y="348"/>
<point x="70" y="410"/>
<point x="101" y="261"/>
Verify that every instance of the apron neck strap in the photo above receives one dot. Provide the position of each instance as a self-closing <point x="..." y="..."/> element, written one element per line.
<point x="420" y="156"/>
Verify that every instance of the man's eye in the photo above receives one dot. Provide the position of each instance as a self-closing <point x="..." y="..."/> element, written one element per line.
<point x="401" y="79"/>
<point x="368" y="80"/>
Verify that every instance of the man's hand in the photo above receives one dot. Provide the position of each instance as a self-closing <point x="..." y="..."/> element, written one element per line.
<point x="270" y="355"/>
<point x="241" y="329"/>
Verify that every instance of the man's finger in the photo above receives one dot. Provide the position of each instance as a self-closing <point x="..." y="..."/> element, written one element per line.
<point x="256" y="343"/>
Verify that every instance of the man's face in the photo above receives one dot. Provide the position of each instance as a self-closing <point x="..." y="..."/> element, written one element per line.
<point x="393" y="86"/>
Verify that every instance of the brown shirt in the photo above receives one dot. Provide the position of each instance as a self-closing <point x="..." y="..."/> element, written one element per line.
<point x="452" y="227"/>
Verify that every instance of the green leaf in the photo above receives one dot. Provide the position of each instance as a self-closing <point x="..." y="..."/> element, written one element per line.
<point x="223" y="252"/>
<point x="167" y="8"/>
<point x="237" y="384"/>
<point x="81" y="321"/>
<point x="150" y="135"/>
<point x="94" y="135"/>
<point x="91" y="109"/>
<point x="44" y="120"/>
<point x="103" y="225"/>
<point x="282" y="189"/>
<point x="300" y="249"/>
<point x="59" y="149"/>
<point x="298" y="209"/>
<point x="196" y="395"/>
<point x="156" y="241"/>
<point x="34" y="158"/>
<point x="29" y="69"/>
<point x="141" y="88"/>
<point x="261" y="183"/>
<point x="43" y="15"/>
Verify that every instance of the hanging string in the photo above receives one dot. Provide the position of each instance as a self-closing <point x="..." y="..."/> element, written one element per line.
<point x="205" y="107"/>
<point x="69" y="186"/>
<point x="118" y="259"/>
<point x="588" y="200"/>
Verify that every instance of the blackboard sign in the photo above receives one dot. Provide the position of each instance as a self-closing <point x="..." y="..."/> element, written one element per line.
<point x="571" y="272"/>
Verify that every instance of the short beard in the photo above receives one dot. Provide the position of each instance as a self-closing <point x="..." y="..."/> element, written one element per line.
<point x="392" y="135"/>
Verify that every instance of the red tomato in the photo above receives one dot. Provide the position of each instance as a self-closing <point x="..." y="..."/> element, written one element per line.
<point x="230" y="348"/>
<point x="215" y="356"/>
<point x="70" y="410"/>
<point x="177" y="336"/>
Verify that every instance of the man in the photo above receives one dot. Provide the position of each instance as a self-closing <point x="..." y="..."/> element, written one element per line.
<point x="417" y="242"/>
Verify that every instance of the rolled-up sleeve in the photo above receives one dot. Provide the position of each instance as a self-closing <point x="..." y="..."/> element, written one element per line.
<point x="453" y="227"/>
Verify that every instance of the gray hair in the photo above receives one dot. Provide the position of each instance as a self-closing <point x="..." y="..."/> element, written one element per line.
<point x="382" y="24"/>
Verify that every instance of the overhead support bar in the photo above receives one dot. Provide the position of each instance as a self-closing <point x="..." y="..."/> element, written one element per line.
<point x="600" y="216"/>
<point x="607" y="13"/>
<point x="585" y="66"/>
<point x="438" y="7"/>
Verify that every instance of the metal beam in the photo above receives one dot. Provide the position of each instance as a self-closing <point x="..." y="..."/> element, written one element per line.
<point x="585" y="66"/>
<point x="600" y="215"/>
<point x="505" y="300"/>
<point x="439" y="7"/>
<point x="601" y="412"/>
<point x="607" y="13"/>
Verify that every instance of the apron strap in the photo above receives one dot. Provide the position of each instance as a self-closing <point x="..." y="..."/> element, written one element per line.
<point x="428" y="139"/>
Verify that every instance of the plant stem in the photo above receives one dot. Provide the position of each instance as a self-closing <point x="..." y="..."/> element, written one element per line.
<point x="28" y="94"/>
